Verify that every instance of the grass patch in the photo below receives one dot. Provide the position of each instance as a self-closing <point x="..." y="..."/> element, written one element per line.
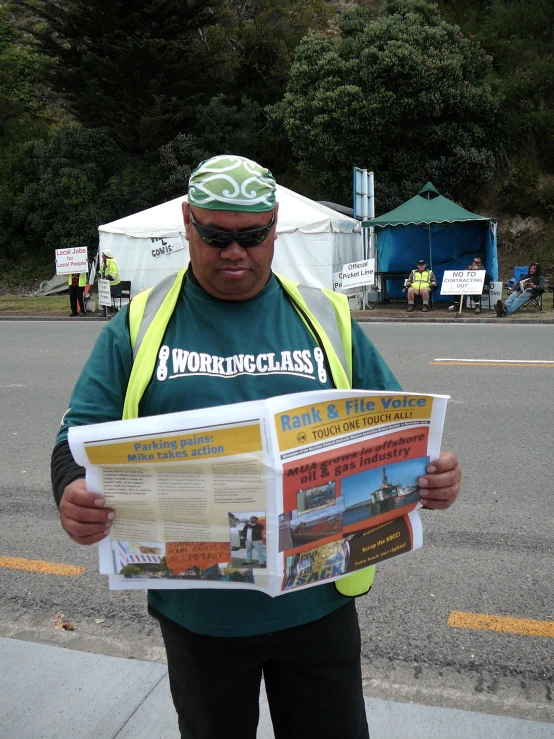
<point x="27" y="305"/>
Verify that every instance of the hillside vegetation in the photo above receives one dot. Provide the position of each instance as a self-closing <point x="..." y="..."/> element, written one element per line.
<point x="106" y="107"/>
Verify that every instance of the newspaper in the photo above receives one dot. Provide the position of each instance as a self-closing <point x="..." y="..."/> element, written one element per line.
<point x="271" y="495"/>
<point x="525" y="284"/>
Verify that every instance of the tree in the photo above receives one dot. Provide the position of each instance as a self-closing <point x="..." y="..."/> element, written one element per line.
<point x="221" y="127"/>
<point x="519" y="34"/>
<point x="407" y="96"/>
<point x="24" y="114"/>
<point x="260" y="37"/>
<point x="61" y="197"/>
<point x="137" y="69"/>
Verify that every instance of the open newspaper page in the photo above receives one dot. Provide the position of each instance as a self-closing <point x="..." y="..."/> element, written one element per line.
<point x="270" y="495"/>
<point x="524" y="284"/>
<point x="350" y="467"/>
<point x="184" y="486"/>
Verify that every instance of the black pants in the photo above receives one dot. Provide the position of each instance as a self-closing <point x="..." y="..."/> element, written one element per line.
<point x="76" y="295"/>
<point x="312" y="677"/>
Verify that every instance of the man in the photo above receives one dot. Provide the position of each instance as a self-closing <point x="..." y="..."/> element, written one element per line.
<point x="229" y="303"/>
<point x="252" y="533"/>
<point x="77" y="283"/>
<point x="476" y="265"/>
<point x="109" y="271"/>
<point x="532" y="285"/>
<point x="420" y="282"/>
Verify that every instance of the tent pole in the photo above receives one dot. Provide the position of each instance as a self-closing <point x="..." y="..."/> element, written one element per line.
<point x="430" y="250"/>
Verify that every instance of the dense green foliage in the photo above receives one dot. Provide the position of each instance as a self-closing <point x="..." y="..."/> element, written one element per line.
<point x="519" y="35"/>
<point x="106" y="107"/>
<point x="407" y="96"/>
<point x="132" y="68"/>
<point x="65" y="191"/>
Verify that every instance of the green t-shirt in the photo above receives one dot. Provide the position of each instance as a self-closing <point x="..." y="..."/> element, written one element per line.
<point x="217" y="352"/>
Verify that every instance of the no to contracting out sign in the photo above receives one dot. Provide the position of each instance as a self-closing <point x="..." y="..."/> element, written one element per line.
<point x="463" y="282"/>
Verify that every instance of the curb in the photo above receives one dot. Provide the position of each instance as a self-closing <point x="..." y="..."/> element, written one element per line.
<point x="495" y="320"/>
<point x="87" y="319"/>
<point x="359" y="316"/>
<point x="363" y="317"/>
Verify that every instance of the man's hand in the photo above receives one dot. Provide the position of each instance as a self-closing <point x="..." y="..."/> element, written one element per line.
<point x="82" y="514"/>
<point x="441" y="485"/>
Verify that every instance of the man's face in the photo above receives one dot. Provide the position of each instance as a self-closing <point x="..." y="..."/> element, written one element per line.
<point x="253" y="521"/>
<point x="422" y="267"/>
<point x="232" y="273"/>
<point x="477" y="263"/>
<point x="532" y="269"/>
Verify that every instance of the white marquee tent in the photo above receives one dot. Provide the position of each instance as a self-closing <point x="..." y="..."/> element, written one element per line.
<point x="313" y="242"/>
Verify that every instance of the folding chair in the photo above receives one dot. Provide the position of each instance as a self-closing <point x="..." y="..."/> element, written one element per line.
<point x="125" y="292"/>
<point x="519" y="274"/>
<point x="533" y="304"/>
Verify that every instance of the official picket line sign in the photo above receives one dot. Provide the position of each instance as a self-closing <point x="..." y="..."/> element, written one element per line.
<point x="161" y="247"/>
<point x="357" y="274"/>
<point x="463" y="282"/>
<point x="104" y="293"/>
<point x="73" y="260"/>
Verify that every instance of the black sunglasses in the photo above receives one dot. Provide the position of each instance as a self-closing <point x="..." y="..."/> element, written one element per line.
<point x="222" y="239"/>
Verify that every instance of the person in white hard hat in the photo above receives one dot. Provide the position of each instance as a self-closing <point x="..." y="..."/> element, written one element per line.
<point x="109" y="271"/>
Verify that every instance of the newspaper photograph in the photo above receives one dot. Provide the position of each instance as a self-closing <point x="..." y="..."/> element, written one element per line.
<point x="272" y="495"/>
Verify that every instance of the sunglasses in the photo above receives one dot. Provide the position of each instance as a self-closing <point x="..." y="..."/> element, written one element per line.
<point x="222" y="239"/>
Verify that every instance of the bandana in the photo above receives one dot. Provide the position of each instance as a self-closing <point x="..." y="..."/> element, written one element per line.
<point x="230" y="182"/>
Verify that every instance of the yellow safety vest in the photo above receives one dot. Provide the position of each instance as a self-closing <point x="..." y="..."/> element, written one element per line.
<point x="82" y="280"/>
<point x="325" y="313"/>
<point x="110" y="269"/>
<point x="421" y="280"/>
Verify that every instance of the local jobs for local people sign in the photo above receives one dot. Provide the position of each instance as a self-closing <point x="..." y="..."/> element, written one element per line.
<point x="358" y="274"/>
<point x="71" y="261"/>
<point x="463" y="282"/>
<point x="104" y="293"/>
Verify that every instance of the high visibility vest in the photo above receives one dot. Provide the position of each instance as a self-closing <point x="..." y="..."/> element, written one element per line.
<point x="82" y="280"/>
<point x="325" y="313"/>
<point x="421" y="280"/>
<point x="109" y="269"/>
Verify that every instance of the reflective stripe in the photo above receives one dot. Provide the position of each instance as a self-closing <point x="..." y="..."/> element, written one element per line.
<point x="320" y="305"/>
<point x="156" y="297"/>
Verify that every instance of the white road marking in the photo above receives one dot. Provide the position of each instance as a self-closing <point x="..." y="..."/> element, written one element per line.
<point x="499" y="361"/>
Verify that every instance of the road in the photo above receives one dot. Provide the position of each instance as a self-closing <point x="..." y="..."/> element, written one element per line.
<point x="490" y="554"/>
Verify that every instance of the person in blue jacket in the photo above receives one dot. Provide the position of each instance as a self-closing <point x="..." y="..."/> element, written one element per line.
<point x="235" y="335"/>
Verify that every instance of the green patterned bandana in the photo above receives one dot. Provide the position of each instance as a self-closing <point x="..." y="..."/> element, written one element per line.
<point x="230" y="182"/>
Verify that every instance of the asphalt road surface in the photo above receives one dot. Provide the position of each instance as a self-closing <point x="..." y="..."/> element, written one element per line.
<point x="490" y="554"/>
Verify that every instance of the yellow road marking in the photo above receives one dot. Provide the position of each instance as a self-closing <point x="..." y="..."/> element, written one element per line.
<point x="37" y="565"/>
<point x="504" y="624"/>
<point x="497" y="364"/>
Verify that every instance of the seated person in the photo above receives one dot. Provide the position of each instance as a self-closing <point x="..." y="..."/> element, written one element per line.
<point x="477" y="264"/>
<point x="529" y="287"/>
<point x="420" y="282"/>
